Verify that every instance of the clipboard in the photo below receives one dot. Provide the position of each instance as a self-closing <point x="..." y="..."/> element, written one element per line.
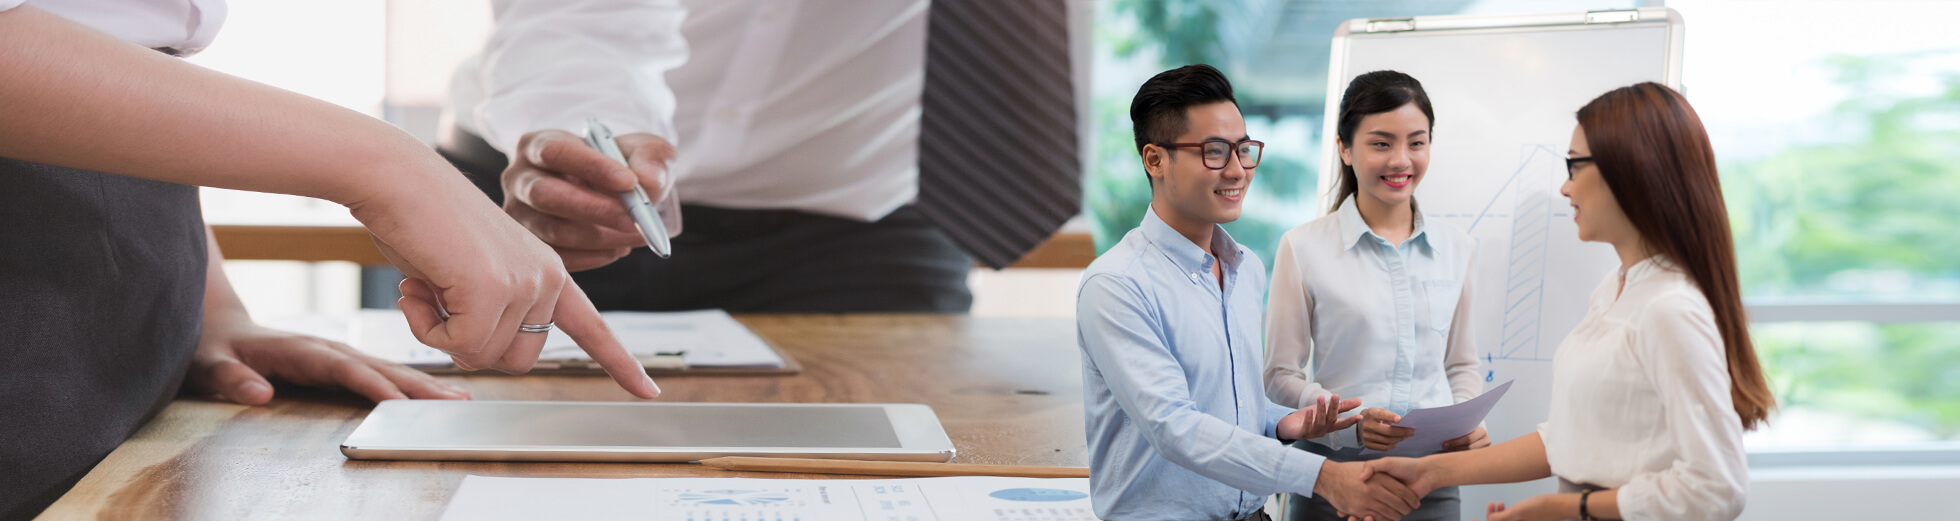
<point x="658" y="364"/>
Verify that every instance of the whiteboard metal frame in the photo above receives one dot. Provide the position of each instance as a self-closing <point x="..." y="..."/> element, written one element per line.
<point x="1330" y="162"/>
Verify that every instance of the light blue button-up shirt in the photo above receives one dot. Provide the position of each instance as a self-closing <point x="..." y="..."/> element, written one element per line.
<point x="1178" y="426"/>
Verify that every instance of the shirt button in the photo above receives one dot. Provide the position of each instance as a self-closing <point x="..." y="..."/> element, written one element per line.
<point x="1195" y="278"/>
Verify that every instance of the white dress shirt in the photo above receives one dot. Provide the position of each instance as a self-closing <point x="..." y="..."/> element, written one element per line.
<point x="183" y="27"/>
<point x="1353" y="315"/>
<point x="1642" y="402"/>
<point x="777" y="104"/>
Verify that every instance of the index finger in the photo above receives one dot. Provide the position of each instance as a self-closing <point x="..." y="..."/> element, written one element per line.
<point x="576" y="316"/>
<point x="561" y="152"/>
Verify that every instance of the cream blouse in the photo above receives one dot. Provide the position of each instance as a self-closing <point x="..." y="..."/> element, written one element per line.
<point x="1641" y="401"/>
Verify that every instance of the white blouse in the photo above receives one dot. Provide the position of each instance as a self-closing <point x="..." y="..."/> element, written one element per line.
<point x="1641" y="401"/>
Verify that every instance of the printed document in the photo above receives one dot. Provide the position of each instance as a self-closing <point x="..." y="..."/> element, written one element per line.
<point x="705" y="338"/>
<point x="1440" y="424"/>
<point x="702" y="499"/>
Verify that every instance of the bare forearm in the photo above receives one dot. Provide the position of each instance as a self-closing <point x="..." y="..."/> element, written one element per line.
<point x="1603" y="504"/>
<point x="76" y="97"/>
<point x="1521" y="459"/>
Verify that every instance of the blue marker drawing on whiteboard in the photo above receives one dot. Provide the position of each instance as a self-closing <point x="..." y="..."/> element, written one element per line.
<point x="1524" y="279"/>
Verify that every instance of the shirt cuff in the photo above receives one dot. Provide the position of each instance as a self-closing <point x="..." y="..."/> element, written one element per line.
<point x="1299" y="470"/>
<point x="10" y="4"/>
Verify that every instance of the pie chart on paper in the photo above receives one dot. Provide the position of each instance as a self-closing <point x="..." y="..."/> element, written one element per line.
<point x="1037" y="494"/>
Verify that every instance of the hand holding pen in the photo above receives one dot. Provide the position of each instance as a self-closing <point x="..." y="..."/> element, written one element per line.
<point x="568" y="193"/>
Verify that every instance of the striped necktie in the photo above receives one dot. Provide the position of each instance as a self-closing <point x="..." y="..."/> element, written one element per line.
<point x="998" y="168"/>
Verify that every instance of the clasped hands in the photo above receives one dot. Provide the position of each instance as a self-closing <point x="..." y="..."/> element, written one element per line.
<point x="1357" y="488"/>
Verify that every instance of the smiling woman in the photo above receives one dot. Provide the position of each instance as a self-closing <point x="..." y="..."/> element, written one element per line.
<point x="1365" y="299"/>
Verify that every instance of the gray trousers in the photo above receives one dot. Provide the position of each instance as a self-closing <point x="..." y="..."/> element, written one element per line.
<point x="1440" y="505"/>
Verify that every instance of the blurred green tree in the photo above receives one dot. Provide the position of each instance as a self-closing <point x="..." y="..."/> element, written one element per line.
<point x="1870" y="216"/>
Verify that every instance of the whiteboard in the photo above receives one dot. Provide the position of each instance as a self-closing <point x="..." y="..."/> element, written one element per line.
<point x="1505" y="91"/>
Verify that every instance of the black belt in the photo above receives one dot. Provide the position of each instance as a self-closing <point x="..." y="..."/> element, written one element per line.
<point x="1256" y="515"/>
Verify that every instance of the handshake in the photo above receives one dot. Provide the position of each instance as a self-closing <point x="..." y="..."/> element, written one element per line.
<point x="1380" y="490"/>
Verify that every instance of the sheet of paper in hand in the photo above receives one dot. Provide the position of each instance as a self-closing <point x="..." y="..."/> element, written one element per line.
<point x="1436" y="425"/>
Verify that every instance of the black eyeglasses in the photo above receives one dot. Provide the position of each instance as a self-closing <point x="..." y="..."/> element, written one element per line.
<point x="1217" y="151"/>
<point x="1572" y="166"/>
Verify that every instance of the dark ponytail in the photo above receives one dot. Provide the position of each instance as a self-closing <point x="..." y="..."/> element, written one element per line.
<point x="1370" y="94"/>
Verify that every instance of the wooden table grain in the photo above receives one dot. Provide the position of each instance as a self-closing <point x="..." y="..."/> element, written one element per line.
<point x="1007" y="390"/>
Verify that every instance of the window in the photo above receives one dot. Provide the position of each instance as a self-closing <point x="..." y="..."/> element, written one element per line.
<point x="1837" y="130"/>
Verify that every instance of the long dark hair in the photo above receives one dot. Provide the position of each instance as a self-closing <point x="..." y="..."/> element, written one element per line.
<point x="1654" y="154"/>
<point x="1369" y="94"/>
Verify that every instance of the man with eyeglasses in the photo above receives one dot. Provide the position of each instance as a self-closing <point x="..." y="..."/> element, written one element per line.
<point x="1169" y="323"/>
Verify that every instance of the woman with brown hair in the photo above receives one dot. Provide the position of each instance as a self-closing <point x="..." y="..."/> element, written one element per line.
<point x="1656" y="385"/>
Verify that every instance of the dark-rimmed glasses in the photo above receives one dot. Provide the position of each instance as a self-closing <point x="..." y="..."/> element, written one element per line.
<point x="1217" y="151"/>
<point x="1572" y="166"/>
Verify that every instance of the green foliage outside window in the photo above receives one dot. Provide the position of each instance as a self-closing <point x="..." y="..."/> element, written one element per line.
<point x="1871" y="216"/>
<point x="1868" y="217"/>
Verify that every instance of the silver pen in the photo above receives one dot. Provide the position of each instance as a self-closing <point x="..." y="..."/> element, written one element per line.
<point x="637" y="203"/>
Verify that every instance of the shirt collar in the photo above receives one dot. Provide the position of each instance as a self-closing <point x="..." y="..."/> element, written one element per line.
<point x="1189" y="257"/>
<point x="1647" y="268"/>
<point x="1354" y="229"/>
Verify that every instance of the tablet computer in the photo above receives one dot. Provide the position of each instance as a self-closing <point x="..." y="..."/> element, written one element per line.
<point x="645" y="431"/>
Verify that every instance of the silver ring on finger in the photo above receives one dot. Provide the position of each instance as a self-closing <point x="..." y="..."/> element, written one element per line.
<point x="534" y="328"/>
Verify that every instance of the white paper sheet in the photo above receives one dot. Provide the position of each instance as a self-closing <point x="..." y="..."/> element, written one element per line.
<point x="1440" y="424"/>
<point x="483" y="498"/>
<point x="705" y="338"/>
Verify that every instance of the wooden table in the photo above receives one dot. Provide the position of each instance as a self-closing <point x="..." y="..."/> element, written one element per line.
<point x="1009" y="391"/>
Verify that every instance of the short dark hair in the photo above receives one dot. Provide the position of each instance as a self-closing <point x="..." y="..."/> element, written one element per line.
<point x="1157" y="114"/>
<point x="1370" y="94"/>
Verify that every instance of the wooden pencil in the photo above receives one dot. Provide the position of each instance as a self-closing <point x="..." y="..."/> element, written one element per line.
<point x="889" y="468"/>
